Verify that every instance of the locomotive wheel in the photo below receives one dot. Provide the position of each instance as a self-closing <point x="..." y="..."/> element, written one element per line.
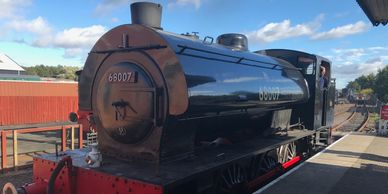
<point x="231" y="180"/>
<point x="262" y="164"/>
<point x="268" y="164"/>
<point x="286" y="152"/>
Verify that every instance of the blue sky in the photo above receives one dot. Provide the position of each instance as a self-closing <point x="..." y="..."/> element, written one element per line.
<point x="62" y="32"/>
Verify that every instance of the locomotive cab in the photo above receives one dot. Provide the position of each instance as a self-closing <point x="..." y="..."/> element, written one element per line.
<point x="318" y="111"/>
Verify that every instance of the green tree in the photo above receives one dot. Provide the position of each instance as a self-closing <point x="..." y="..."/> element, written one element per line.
<point x="354" y="85"/>
<point x="367" y="91"/>
<point x="59" y="71"/>
<point x="381" y="84"/>
<point x="372" y="83"/>
<point x="366" y="81"/>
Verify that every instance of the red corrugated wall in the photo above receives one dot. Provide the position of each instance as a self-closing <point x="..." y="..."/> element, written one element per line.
<point x="36" y="102"/>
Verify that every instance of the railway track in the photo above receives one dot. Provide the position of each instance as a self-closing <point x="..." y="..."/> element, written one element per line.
<point x="343" y="108"/>
<point x="337" y="126"/>
<point x="357" y="121"/>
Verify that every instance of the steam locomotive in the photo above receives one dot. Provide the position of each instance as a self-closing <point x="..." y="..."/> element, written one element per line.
<point x="176" y="114"/>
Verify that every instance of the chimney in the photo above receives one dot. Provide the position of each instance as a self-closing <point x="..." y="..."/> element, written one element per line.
<point x="146" y="13"/>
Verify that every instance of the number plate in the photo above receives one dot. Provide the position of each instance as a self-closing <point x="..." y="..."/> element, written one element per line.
<point x="129" y="77"/>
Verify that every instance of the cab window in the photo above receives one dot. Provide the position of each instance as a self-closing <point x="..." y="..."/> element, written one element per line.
<point x="307" y="65"/>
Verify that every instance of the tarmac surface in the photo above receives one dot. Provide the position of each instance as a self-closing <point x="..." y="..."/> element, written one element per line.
<point x="18" y="178"/>
<point x="354" y="164"/>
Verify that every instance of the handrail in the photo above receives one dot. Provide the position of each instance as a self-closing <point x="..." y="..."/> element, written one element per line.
<point x="239" y="60"/>
<point x="15" y="132"/>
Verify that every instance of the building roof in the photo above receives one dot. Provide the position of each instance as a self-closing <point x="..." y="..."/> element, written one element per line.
<point x="376" y="10"/>
<point x="6" y="63"/>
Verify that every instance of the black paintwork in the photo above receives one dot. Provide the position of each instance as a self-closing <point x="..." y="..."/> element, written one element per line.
<point x="197" y="91"/>
<point x="234" y="79"/>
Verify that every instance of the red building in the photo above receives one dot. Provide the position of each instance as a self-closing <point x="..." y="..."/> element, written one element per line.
<point x="23" y="102"/>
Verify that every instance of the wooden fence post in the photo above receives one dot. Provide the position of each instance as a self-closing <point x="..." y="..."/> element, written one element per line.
<point x="80" y="136"/>
<point x="3" y="150"/>
<point x="15" y="148"/>
<point x="64" y="141"/>
<point x="72" y="138"/>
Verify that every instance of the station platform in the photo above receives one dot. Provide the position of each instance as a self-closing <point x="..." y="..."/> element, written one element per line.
<point x="354" y="164"/>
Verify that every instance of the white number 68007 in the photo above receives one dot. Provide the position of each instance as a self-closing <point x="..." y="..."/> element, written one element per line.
<point x="120" y="77"/>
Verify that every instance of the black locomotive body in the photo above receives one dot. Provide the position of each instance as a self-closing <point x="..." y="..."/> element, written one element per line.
<point x="155" y="95"/>
<point x="161" y="97"/>
<point x="193" y="116"/>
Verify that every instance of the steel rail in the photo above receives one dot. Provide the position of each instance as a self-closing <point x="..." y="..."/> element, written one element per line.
<point x="344" y="122"/>
<point x="364" y="124"/>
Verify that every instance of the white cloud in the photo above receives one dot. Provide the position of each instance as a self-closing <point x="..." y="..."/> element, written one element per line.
<point x="348" y="55"/>
<point x="78" y="41"/>
<point x="38" y="32"/>
<point x="195" y="3"/>
<point x="201" y="92"/>
<point x="384" y="57"/>
<point x="20" y="40"/>
<point x="107" y="6"/>
<point x="12" y="8"/>
<point x="283" y="30"/>
<point x="74" y="52"/>
<point x="350" y="63"/>
<point x="342" y="14"/>
<point x="277" y="31"/>
<point x="347" y="73"/>
<point x="356" y="70"/>
<point x="377" y="48"/>
<point x="114" y="20"/>
<point x="240" y="79"/>
<point x="37" y="26"/>
<point x="342" y="31"/>
<point x="75" y="41"/>
<point x="79" y="37"/>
